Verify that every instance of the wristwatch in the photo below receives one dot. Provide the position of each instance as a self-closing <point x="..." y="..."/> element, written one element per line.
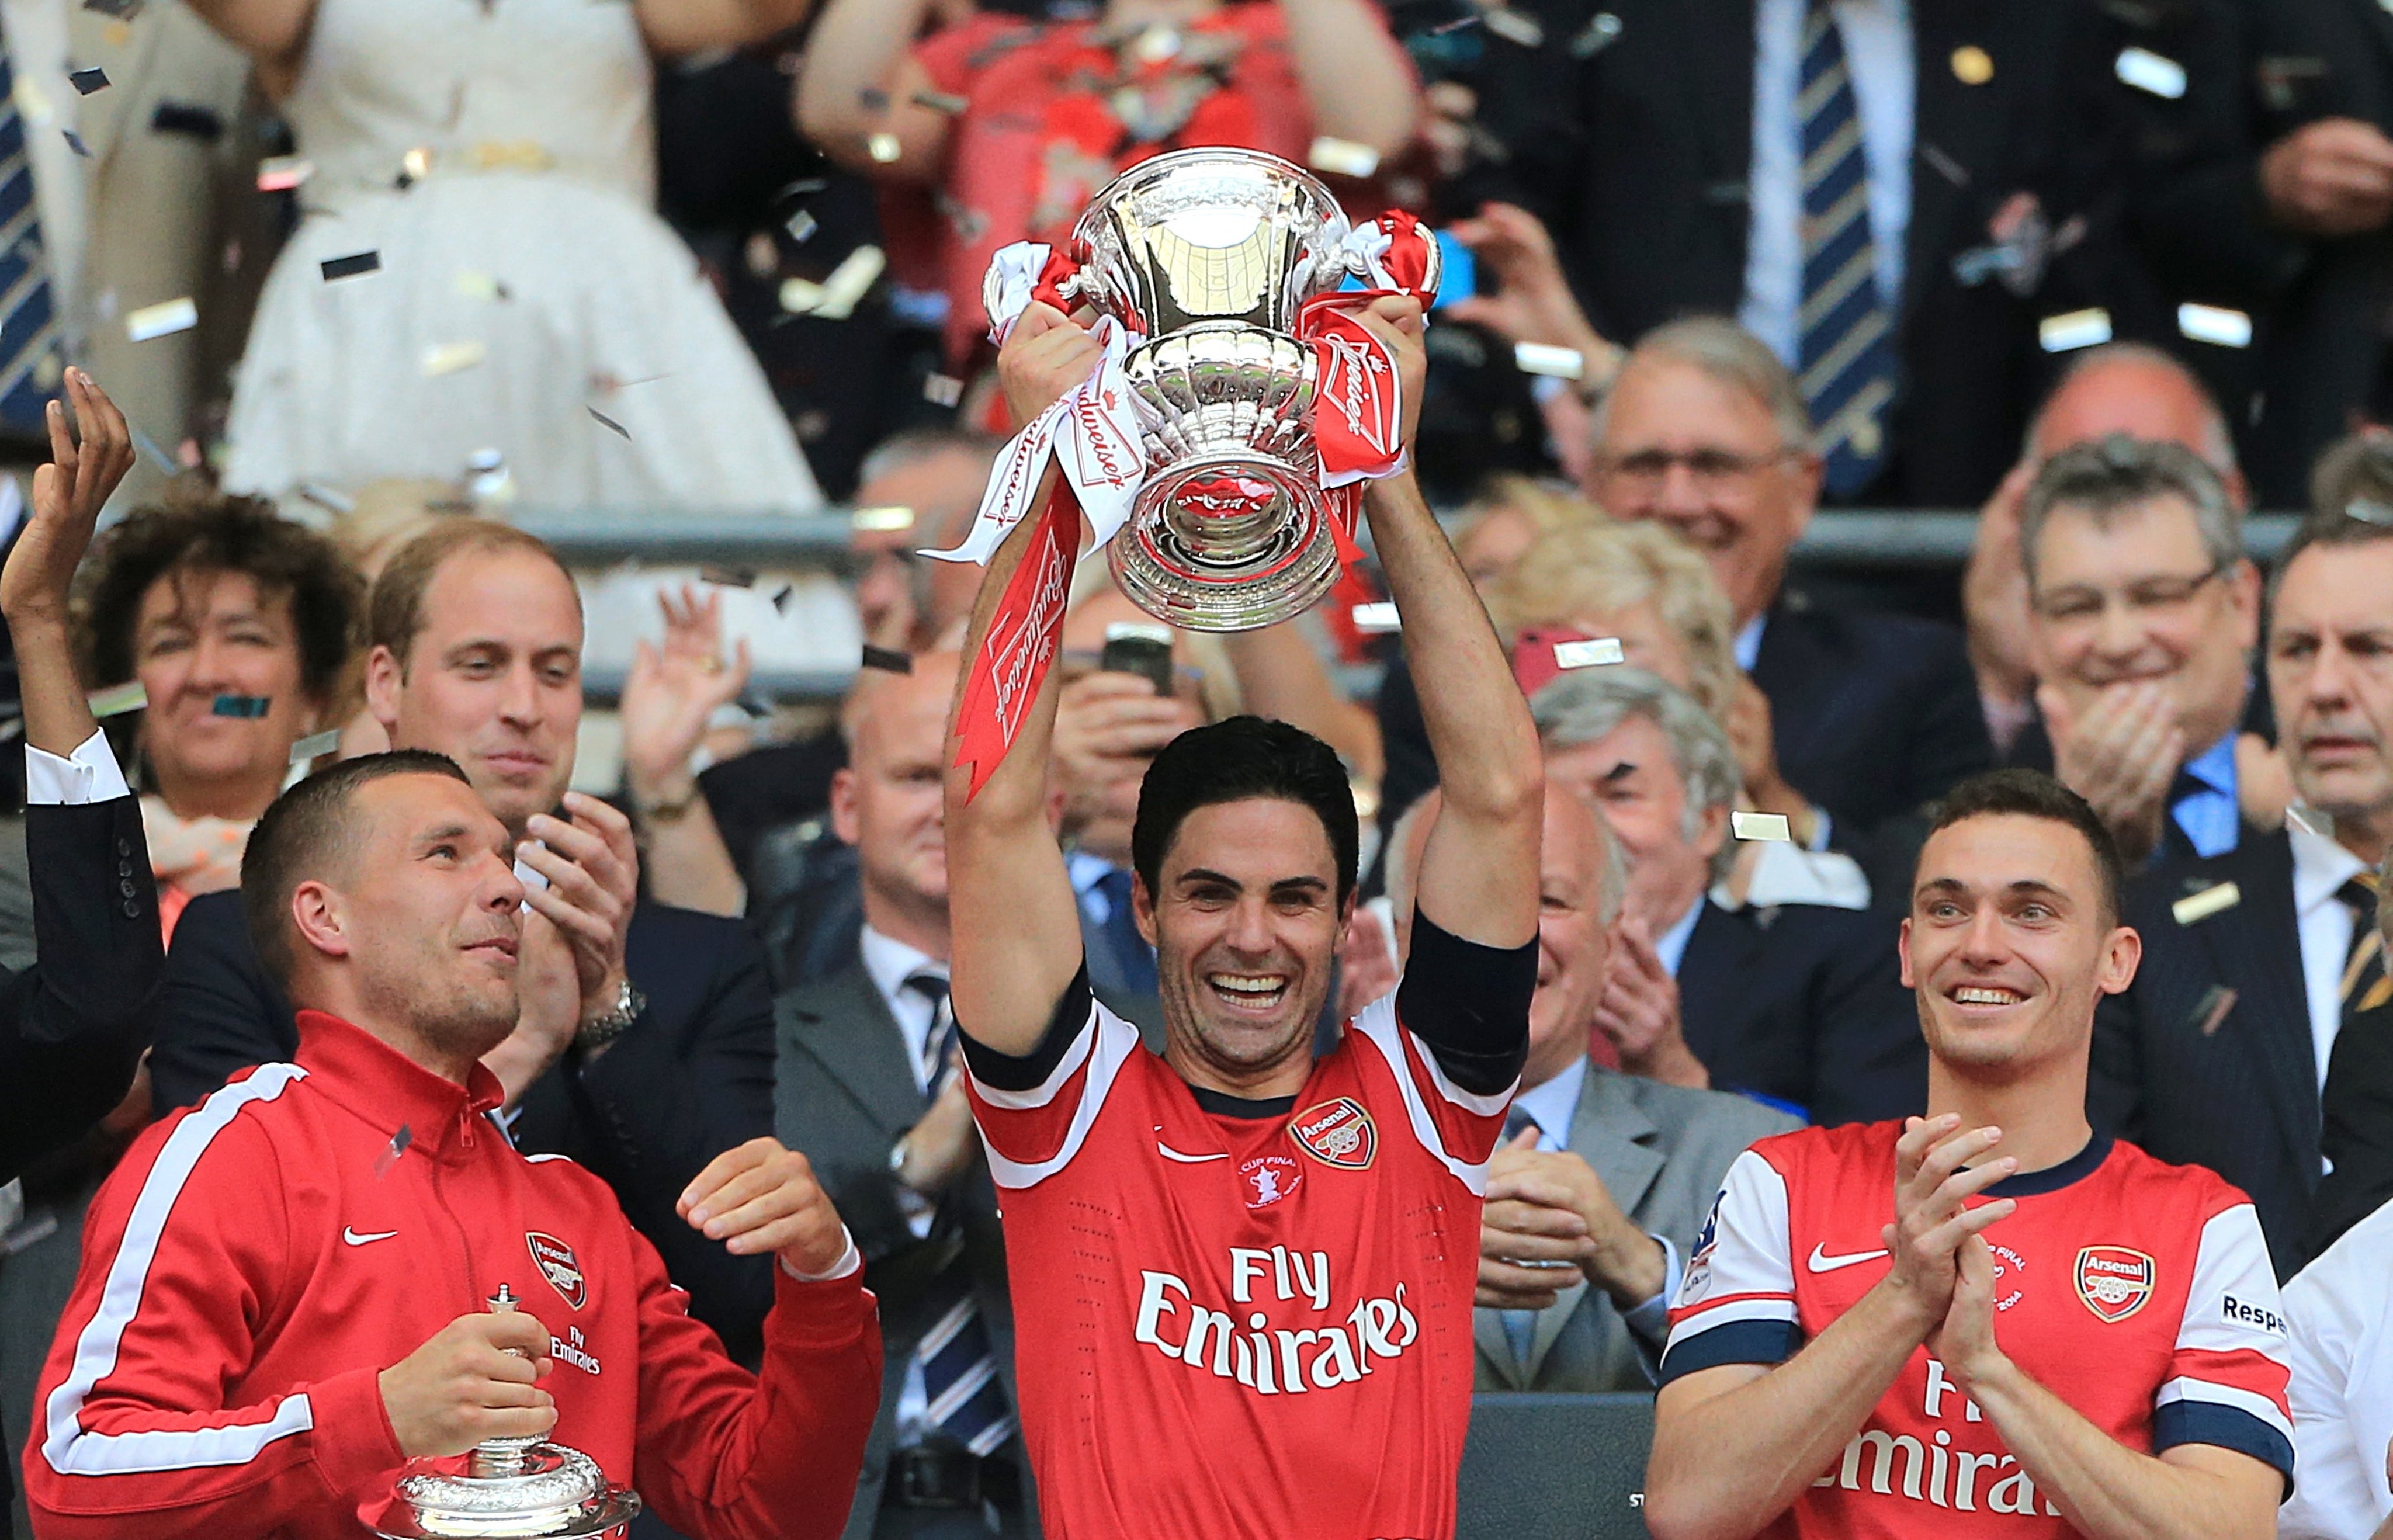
<point x="600" y="1030"/>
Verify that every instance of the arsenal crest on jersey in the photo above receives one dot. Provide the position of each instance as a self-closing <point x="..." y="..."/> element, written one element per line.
<point x="556" y="1263"/>
<point x="2114" y="1281"/>
<point x="1336" y="1134"/>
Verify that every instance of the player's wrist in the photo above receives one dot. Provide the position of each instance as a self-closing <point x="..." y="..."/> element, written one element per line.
<point x="1908" y="1308"/>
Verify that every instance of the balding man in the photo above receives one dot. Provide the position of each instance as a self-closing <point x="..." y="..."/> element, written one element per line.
<point x="1873" y="715"/>
<point x="2125" y="388"/>
<point x="866" y="1088"/>
<point x="1605" y="1178"/>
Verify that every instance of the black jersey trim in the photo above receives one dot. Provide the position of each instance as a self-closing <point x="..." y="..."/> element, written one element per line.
<point x="2207" y="1422"/>
<point x="1223" y="1105"/>
<point x="1732" y="1343"/>
<point x="1075" y="1013"/>
<point x="2052" y="1179"/>
<point x="1470" y="1003"/>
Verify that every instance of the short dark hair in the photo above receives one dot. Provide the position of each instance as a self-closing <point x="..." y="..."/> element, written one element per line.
<point x="2034" y="794"/>
<point x="1230" y="761"/>
<point x="395" y="613"/>
<point x="305" y="828"/>
<point x="197" y="531"/>
<point x="2352" y="501"/>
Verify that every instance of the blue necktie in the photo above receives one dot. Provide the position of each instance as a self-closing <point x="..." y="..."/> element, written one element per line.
<point x="1845" y="360"/>
<point x="28" y="330"/>
<point x="1520" y="1326"/>
<point x="1130" y="948"/>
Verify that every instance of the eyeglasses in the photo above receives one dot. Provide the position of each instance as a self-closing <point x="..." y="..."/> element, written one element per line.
<point x="1710" y="469"/>
<point x="2147" y="599"/>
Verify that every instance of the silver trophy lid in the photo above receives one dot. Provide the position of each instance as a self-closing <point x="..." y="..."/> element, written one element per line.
<point x="523" y="1488"/>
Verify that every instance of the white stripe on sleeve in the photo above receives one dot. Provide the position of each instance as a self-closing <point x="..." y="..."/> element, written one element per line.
<point x="70" y="1450"/>
<point x="1376" y="1025"/>
<point x="1105" y="1048"/>
<point x="1742" y="1250"/>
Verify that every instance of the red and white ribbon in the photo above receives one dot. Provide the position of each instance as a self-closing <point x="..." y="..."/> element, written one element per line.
<point x="1093" y="437"/>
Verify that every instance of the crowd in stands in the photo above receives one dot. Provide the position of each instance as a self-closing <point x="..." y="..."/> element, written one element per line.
<point x="373" y="278"/>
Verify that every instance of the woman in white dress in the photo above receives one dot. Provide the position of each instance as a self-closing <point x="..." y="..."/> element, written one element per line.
<point x="496" y="157"/>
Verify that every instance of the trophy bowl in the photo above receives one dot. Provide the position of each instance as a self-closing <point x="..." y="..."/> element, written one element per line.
<point x="525" y="1489"/>
<point x="506" y="1488"/>
<point x="1210" y="254"/>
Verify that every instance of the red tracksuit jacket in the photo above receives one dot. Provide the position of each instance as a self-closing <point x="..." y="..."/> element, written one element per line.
<point x="256" y="1260"/>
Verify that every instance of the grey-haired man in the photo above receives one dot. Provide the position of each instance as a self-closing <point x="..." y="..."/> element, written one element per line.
<point x="1798" y="1004"/>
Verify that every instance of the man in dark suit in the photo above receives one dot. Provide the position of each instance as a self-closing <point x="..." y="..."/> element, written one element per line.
<point x="645" y="1048"/>
<point x="865" y="1089"/>
<point x="73" y="1025"/>
<point x="2264" y="184"/>
<point x="1820" y="172"/>
<point x="2261" y="962"/>
<point x="1873" y="715"/>
<point x="1798" y="1004"/>
<point x="1635" y="1161"/>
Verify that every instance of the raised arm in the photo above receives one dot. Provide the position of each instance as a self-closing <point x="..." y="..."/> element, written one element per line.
<point x="1355" y="75"/>
<point x="1016" y="925"/>
<point x="1479" y="873"/>
<point x="859" y="47"/>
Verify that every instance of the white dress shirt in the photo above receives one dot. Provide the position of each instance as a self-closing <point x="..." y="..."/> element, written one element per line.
<point x="89" y="775"/>
<point x="2339" y="1331"/>
<point x="890" y="962"/>
<point x="2322" y="867"/>
<point x="1878" y="53"/>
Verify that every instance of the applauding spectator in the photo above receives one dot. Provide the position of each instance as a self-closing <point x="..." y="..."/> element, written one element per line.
<point x="1796" y="1002"/>
<point x="239" y="627"/>
<point x="669" y="702"/>
<point x="1017" y="124"/>
<point x="2145" y="613"/>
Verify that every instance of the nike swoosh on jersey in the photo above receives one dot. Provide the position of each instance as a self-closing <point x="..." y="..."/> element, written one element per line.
<point x="1168" y="1153"/>
<point x="355" y="1239"/>
<point x="1820" y="1261"/>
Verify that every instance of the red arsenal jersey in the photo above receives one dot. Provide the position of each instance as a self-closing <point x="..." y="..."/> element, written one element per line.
<point x="2139" y="1293"/>
<point x="1237" y="1324"/>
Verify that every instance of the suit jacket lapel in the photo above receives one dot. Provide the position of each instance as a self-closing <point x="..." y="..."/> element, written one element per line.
<point x="2258" y="950"/>
<point x="1495" y="1349"/>
<point x="852" y="1034"/>
<point x="1710" y="976"/>
<point x="1614" y="1135"/>
<point x="1716" y="40"/>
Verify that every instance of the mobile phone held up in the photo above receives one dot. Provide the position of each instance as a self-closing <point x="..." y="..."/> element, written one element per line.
<point x="1144" y="650"/>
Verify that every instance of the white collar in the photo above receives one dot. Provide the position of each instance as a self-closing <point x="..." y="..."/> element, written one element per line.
<point x="891" y="963"/>
<point x="2320" y="867"/>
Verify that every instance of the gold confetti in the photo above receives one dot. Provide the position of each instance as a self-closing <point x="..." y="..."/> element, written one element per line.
<point x="117" y="699"/>
<point x="1537" y="358"/>
<point x="2195" y="907"/>
<point x="2066" y="334"/>
<point x="1972" y="65"/>
<point x="884" y="148"/>
<point x="881" y="521"/>
<point x="1343" y="157"/>
<point x="1759" y="825"/>
<point x="1376" y="619"/>
<point x="1588" y="654"/>
<point x="161" y="319"/>
<point x="447" y="358"/>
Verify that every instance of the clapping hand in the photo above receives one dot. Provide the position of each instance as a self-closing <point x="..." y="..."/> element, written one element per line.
<point x="672" y="692"/>
<point x="1933" y="1180"/>
<point x="2120" y="752"/>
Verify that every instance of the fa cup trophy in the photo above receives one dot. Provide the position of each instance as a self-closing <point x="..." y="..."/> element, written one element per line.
<point x="1217" y="447"/>
<point x="525" y="1487"/>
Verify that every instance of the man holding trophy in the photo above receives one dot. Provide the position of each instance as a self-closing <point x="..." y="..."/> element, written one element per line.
<point x="332" y="1300"/>
<point x="1251" y="1268"/>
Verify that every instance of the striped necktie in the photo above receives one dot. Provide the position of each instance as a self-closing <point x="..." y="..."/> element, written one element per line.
<point x="1845" y="360"/>
<point x="964" y="1399"/>
<point x="29" y="327"/>
<point x="2365" y="985"/>
<point x="941" y="1036"/>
